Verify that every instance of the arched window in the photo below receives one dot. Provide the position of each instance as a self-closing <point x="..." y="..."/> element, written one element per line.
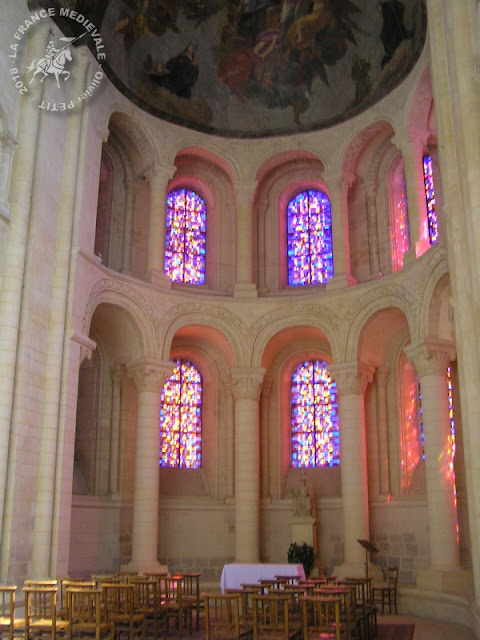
<point x="181" y="418"/>
<point x="432" y="220"/>
<point x="314" y="417"/>
<point x="309" y="239"/>
<point x="185" y="237"/>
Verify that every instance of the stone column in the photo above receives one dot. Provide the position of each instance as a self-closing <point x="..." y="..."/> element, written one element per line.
<point x="412" y="152"/>
<point x="7" y="147"/>
<point x="339" y="183"/>
<point x="431" y="360"/>
<point x="262" y="249"/>
<point x="381" y="379"/>
<point x="159" y="178"/>
<point x="244" y="287"/>
<point x="352" y="379"/>
<point x="371" y="190"/>
<point x="118" y="374"/>
<point x="149" y="378"/>
<point x="129" y="221"/>
<point x="21" y="190"/>
<point x="246" y="389"/>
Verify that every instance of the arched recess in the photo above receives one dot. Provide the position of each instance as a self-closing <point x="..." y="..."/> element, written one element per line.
<point x="368" y="222"/>
<point x="213" y="183"/>
<point x="105" y="434"/>
<point x="285" y="350"/>
<point x="209" y="351"/>
<point x="283" y="180"/>
<point x="121" y="236"/>
<point x="387" y="398"/>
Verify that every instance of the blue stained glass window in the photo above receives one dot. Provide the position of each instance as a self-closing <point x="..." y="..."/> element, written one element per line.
<point x="181" y="418"/>
<point x="309" y="239"/>
<point x="432" y="219"/>
<point x="315" y="433"/>
<point x="185" y="237"/>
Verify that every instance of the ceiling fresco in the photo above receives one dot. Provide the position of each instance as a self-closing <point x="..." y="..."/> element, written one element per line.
<point x="254" y="68"/>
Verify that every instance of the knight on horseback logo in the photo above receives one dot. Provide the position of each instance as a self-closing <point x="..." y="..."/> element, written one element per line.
<point x="53" y="62"/>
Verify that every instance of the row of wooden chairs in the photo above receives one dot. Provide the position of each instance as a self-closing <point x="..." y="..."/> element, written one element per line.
<point x="104" y="608"/>
<point x="283" y="609"/>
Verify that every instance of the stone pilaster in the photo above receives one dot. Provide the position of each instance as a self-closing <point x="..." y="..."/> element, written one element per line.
<point x="381" y="379"/>
<point x="339" y="183"/>
<point x="149" y="378"/>
<point x="371" y="190"/>
<point x="159" y="178"/>
<point x="244" y="287"/>
<point x="246" y="388"/>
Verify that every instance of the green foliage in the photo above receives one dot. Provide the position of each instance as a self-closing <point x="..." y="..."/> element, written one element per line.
<point x="302" y="554"/>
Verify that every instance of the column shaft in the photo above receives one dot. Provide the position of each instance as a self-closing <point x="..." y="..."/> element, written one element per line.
<point x="149" y="379"/>
<point x="159" y="178"/>
<point x="244" y="287"/>
<point x="246" y="385"/>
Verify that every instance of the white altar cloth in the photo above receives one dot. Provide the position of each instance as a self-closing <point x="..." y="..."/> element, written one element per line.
<point x="237" y="573"/>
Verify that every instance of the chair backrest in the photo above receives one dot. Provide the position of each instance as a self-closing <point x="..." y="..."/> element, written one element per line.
<point x="321" y="615"/>
<point x="117" y="599"/>
<point x="145" y="594"/>
<point x="174" y="591"/>
<point x="246" y="602"/>
<point x="83" y="605"/>
<point x="7" y="607"/>
<point x="392" y="577"/>
<point x="190" y="584"/>
<point x="68" y="583"/>
<point x="126" y="576"/>
<point x="271" y="615"/>
<point x="40" y="604"/>
<point x="222" y="619"/>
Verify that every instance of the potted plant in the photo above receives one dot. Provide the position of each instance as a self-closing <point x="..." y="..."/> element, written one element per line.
<point x="302" y="554"/>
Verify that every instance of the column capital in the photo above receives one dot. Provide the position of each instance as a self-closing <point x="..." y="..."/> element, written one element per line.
<point x="413" y="145"/>
<point x="339" y="178"/>
<point x="351" y="377"/>
<point x="431" y="357"/>
<point x="246" y="383"/>
<point x="150" y="375"/>
<point x="87" y="345"/>
<point x="160" y="175"/>
<point x="245" y="190"/>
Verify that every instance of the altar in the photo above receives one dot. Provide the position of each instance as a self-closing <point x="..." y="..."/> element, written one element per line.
<point x="237" y="573"/>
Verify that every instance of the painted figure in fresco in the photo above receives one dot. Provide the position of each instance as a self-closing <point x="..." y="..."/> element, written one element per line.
<point x="179" y="74"/>
<point x="155" y="16"/>
<point x="393" y="31"/>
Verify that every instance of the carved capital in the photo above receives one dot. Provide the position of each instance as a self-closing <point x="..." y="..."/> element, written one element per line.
<point x="245" y="191"/>
<point x="151" y="375"/>
<point x="431" y="357"/>
<point x="351" y="377"/>
<point x="246" y="383"/>
<point x="87" y="346"/>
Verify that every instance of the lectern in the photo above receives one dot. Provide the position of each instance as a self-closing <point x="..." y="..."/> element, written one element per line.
<point x="369" y="547"/>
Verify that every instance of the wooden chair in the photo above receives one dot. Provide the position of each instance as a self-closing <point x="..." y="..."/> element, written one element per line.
<point x="118" y="604"/>
<point x="9" y="624"/>
<point x="346" y="593"/>
<point x="62" y="604"/>
<point x="41" y="612"/>
<point x="365" y="610"/>
<point x="321" y="618"/>
<point x="222" y="617"/>
<point x="271" y="620"/>
<point x="191" y="593"/>
<point x="387" y="593"/>
<point x="85" y="615"/>
<point x="176" y="606"/>
<point x="125" y="576"/>
<point x="147" y="601"/>
<point x="246" y="602"/>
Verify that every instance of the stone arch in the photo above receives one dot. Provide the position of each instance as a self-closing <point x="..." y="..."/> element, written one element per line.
<point x="224" y="329"/>
<point x="315" y="317"/>
<point x="128" y="299"/>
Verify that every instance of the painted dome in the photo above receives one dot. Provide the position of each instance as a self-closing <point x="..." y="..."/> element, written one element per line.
<point x="254" y="68"/>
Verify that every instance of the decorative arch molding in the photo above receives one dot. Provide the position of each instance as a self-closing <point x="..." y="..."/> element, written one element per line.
<point x="198" y="313"/>
<point x="379" y="298"/>
<point x="208" y="157"/>
<point x="355" y="147"/>
<point x="289" y="316"/>
<point x="419" y="103"/>
<point x="139" y="134"/>
<point x="434" y="274"/>
<point x="120" y="294"/>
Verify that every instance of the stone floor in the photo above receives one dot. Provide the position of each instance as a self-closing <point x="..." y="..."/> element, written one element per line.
<point x="424" y="629"/>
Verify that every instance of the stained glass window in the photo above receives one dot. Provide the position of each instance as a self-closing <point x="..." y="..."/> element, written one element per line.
<point x="309" y="239"/>
<point x="181" y="418"/>
<point x="432" y="220"/>
<point x="185" y="237"/>
<point x="315" y="434"/>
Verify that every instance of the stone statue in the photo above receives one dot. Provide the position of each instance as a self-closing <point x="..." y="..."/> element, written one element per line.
<point x="303" y="496"/>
